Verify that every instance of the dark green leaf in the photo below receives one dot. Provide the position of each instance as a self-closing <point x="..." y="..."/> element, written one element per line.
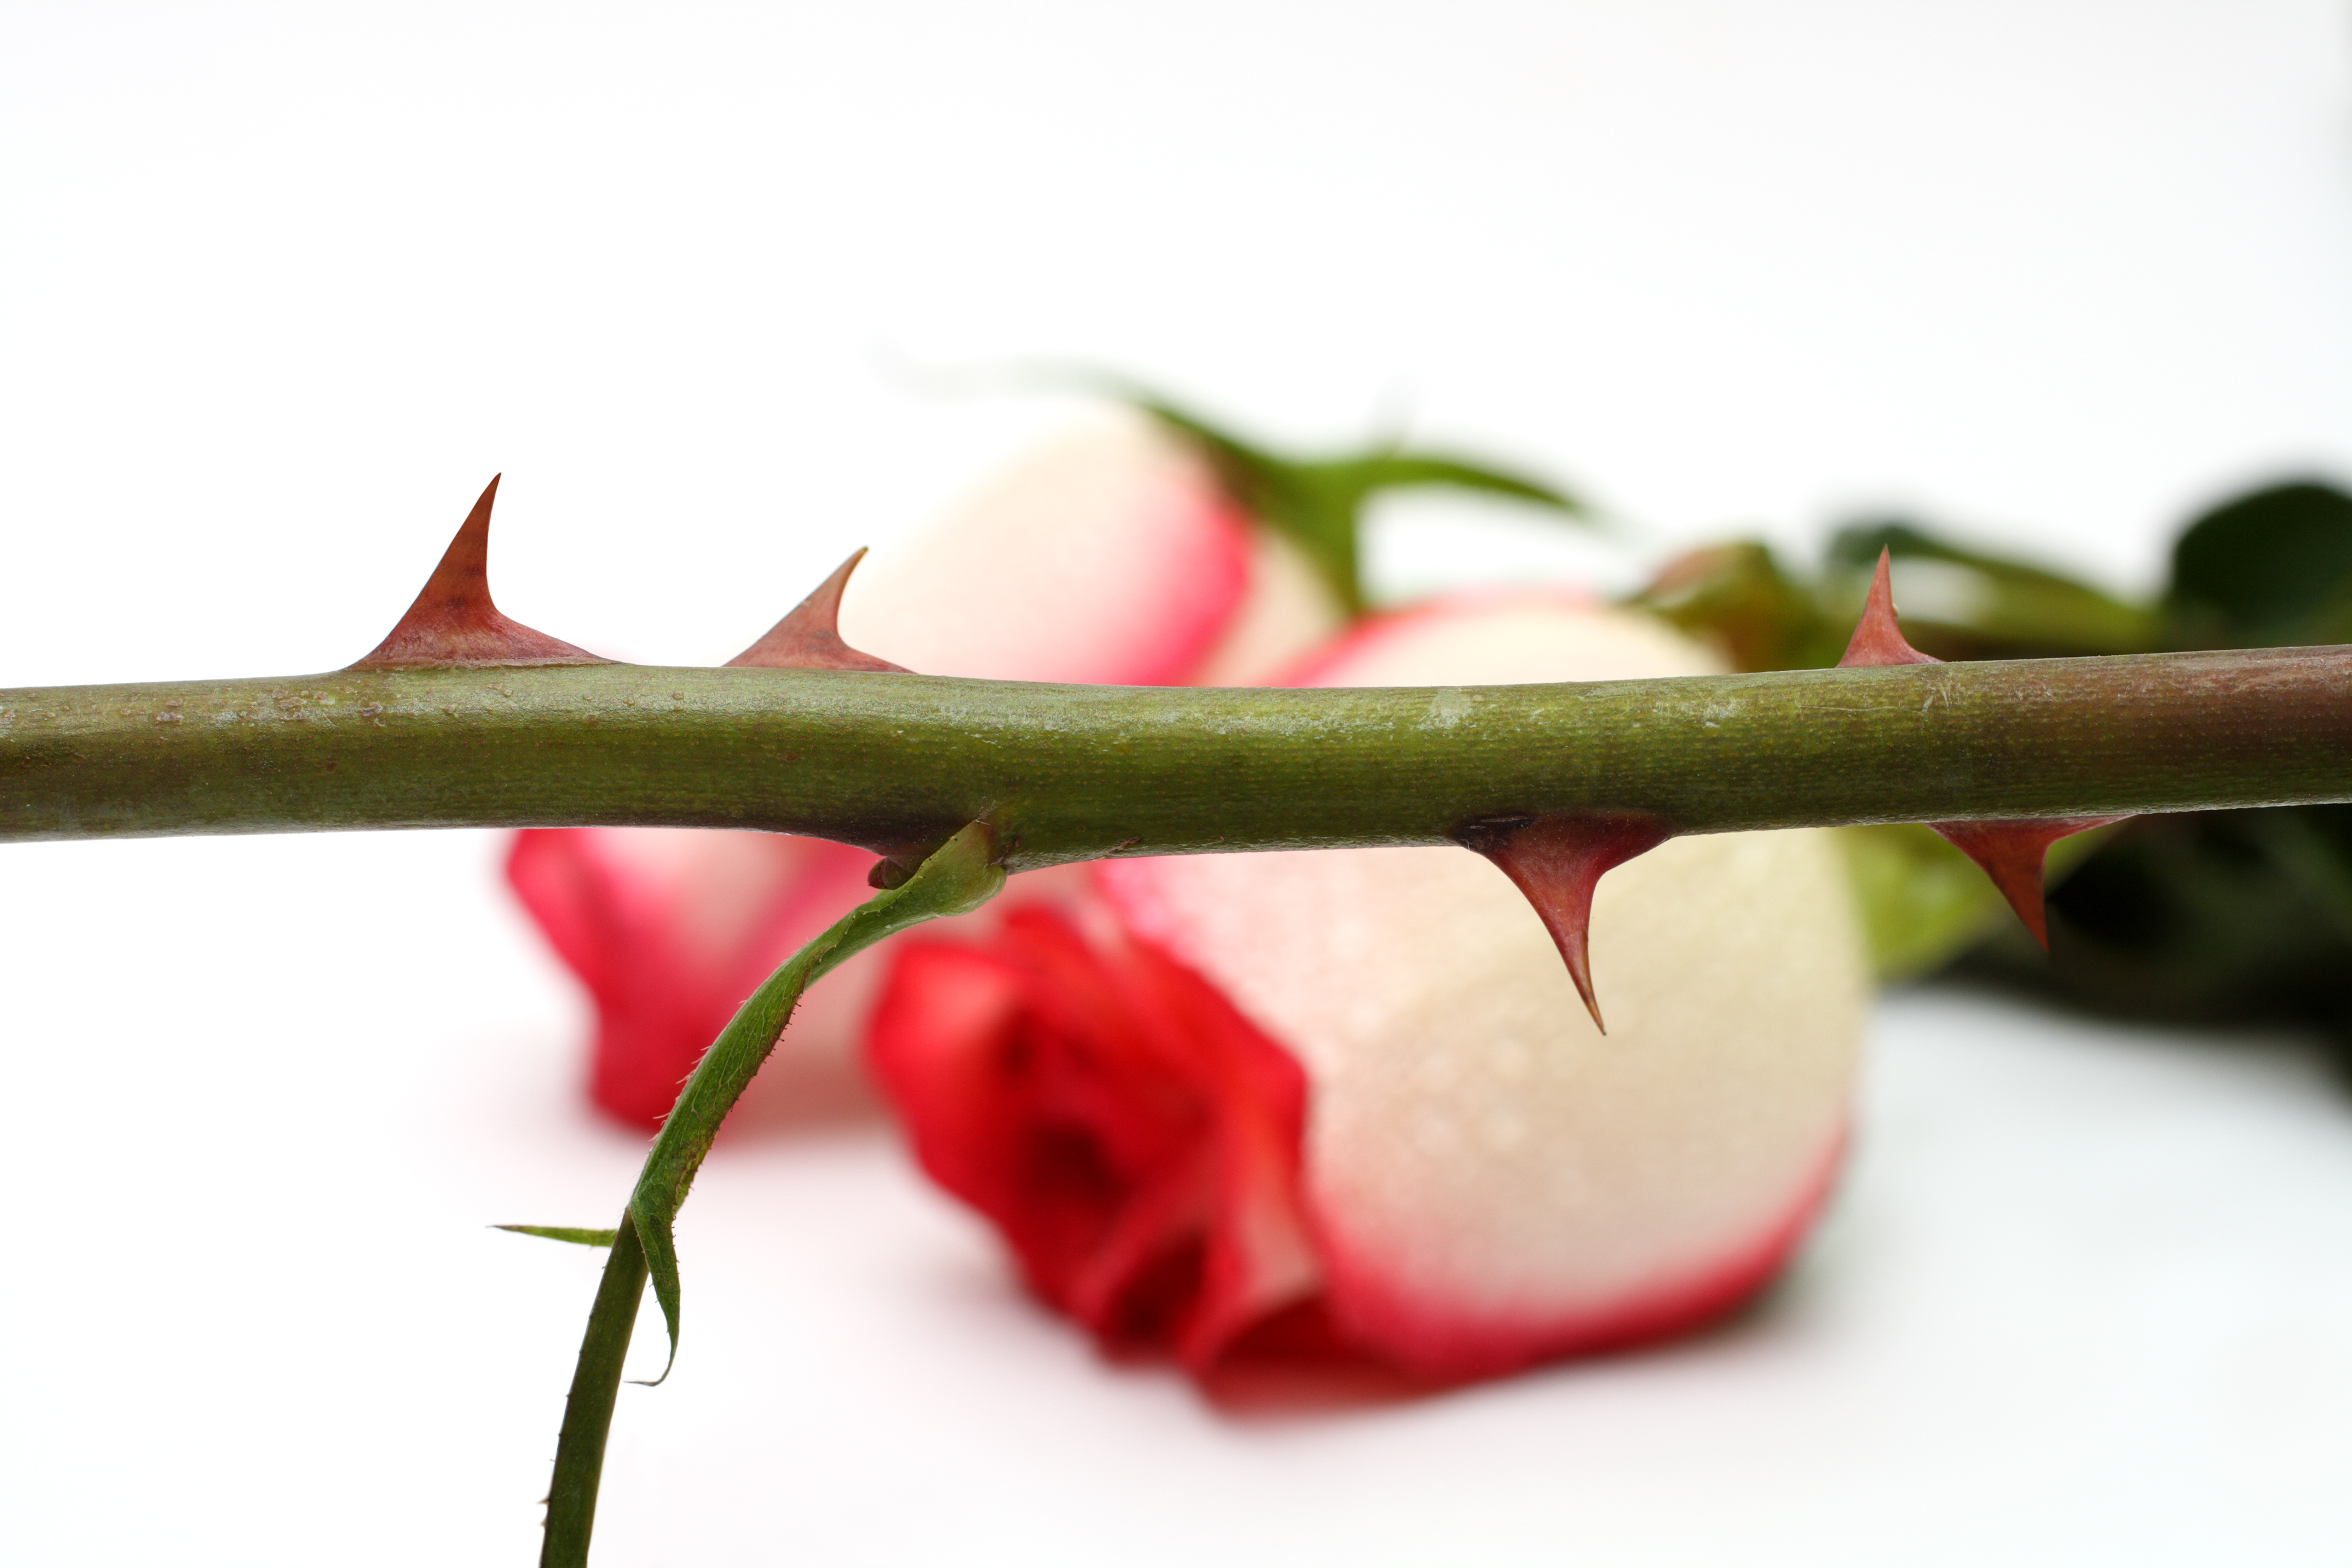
<point x="1967" y="603"/>
<point x="1956" y="604"/>
<point x="2273" y="569"/>
<point x="1397" y="470"/>
<point x="1922" y="901"/>
<point x="2221" y="916"/>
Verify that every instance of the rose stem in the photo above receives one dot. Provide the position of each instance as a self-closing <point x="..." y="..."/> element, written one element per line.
<point x="893" y="761"/>
<point x="588" y="1408"/>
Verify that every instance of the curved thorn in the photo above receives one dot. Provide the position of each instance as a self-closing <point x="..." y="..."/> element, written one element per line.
<point x="1558" y="861"/>
<point x="453" y="621"/>
<point x="2011" y="853"/>
<point x="810" y="636"/>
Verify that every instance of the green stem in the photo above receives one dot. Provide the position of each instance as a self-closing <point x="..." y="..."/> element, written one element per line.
<point x="956" y="878"/>
<point x="588" y="1408"/>
<point x="1067" y="773"/>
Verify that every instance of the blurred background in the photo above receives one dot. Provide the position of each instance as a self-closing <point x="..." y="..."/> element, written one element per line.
<point x="282" y="286"/>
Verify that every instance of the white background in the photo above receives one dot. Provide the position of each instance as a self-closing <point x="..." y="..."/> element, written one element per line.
<point x="279" y="288"/>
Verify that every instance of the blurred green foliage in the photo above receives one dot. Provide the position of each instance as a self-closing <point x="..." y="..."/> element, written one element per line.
<point x="1317" y="503"/>
<point x="2218" y="917"/>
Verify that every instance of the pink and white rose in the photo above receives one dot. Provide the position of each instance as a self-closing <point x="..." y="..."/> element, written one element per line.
<point x="1220" y="1106"/>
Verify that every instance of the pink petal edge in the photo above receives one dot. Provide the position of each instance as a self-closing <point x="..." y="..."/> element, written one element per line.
<point x="1398" y="1298"/>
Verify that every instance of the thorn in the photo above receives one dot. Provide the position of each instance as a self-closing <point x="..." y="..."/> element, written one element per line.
<point x="1877" y="640"/>
<point x="453" y="621"/>
<point x="2011" y="853"/>
<point x="1557" y="861"/>
<point x="810" y="637"/>
<point x="2011" y="850"/>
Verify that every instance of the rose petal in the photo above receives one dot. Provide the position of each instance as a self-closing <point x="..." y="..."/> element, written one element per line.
<point x="669" y="929"/>
<point x="1113" y="557"/>
<point x="1491" y="1182"/>
<point x="1286" y="614"/>
<point x="1133" y="1137"/>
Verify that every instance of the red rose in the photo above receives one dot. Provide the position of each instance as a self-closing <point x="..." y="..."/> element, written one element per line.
<point x="1480" y="1179"/>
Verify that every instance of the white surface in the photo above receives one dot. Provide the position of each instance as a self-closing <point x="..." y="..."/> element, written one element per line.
<point x="282" y="286"/>
<point x="2081" y="1300"/>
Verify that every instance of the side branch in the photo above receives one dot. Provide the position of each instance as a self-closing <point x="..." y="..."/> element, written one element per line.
<point x="895" y="762"/>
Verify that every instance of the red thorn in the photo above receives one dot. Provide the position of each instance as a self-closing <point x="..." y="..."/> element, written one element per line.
<point x="2009" y="850"/>
<point x="1876" y="639"/>
<point x="453" y="621"/>
<point x="810" y="637"/>
<point x="2011" y="853"/>
<point x="1557" y="861"/>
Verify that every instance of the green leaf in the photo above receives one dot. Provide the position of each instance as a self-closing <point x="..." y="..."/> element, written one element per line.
<point x="1984" y="605"/>
<point x="1763" y="616"/>
<point x="1318" y="504"/>
<point x="1922" y="902"/>
<point x="578" y="1236"/>
<point x="1739" y="597"/>
<point x="2273" y="569"/>
<point x="1388" y="468"/>
<point x="956" y="878"/>
<point x="2242" y="915"/>
<point x="2235" y="917"/>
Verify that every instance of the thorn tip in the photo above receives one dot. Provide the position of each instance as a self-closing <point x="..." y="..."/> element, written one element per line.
<point x="1877" y="640"/>
<point x="809" y="637"/>
<point x="2012" y="852"/>
<point x="453" y="620"/>
<point x="1557" y="861"/>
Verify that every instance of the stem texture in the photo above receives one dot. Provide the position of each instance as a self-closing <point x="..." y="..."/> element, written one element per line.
<point x="896" y="763"/>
